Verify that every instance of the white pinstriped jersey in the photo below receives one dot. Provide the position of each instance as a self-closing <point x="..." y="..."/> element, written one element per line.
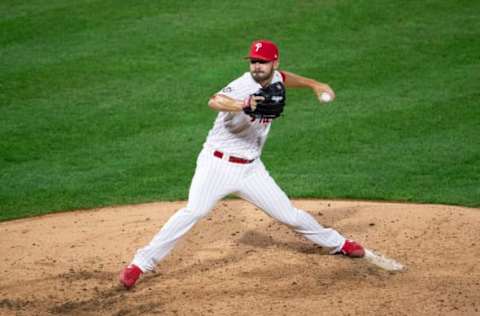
<point x="235" y="133"/>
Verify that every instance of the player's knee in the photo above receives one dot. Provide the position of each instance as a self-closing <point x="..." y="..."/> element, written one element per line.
<point x="294" y="223"/>
<point x="294" y="218"/>
<point x="289" y="218"/>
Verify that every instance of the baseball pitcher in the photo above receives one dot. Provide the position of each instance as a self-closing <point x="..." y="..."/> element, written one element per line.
<point x="229" y="162"/>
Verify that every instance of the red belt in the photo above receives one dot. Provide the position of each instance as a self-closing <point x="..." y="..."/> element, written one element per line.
<point x="233" y="159"/>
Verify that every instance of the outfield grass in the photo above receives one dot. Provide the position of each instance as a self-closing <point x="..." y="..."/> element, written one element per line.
<point x="104" y="102"/>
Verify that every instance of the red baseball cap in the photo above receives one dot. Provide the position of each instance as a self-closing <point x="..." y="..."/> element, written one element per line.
<point x="263" y="50"/>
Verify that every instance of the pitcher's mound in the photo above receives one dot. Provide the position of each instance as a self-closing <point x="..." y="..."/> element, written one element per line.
<point x="238" y="261"/>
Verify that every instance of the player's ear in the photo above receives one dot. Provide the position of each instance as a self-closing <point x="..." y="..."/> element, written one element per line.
<point x="276" y="63"/>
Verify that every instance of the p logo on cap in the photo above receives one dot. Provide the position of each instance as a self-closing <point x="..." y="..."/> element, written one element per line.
<point x="263" y="50"/>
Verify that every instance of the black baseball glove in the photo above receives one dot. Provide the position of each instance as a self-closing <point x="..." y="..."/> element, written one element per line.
<point x="272" y="106"/>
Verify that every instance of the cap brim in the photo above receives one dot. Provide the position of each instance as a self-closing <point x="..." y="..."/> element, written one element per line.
<point x="253" y="56"/>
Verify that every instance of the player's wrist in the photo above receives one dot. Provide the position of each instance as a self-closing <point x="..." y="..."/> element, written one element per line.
<point x="315" y="85"/>
<point x="246" y="102"/>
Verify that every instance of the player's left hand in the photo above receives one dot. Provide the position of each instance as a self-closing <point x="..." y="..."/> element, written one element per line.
<point x="324" y="92"/>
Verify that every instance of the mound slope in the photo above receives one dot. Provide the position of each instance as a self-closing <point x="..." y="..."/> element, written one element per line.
<point x="238" y="261"/>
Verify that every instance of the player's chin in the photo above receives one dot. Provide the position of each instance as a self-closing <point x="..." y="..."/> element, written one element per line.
<point x="259" y="75"/>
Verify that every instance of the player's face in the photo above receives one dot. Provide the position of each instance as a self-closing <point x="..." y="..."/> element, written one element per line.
<point x="262" y="71"/>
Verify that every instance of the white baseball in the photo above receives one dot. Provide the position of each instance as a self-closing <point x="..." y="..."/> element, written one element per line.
<point x="325" y="97"/>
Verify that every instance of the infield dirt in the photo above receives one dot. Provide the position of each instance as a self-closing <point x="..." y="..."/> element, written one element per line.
<point x="238" y="261"/>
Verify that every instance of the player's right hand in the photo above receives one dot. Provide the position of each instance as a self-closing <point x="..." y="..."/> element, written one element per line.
<point x="251" y="102"/>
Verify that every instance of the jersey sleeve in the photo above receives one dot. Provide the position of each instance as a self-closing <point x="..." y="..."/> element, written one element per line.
<point x="237" y="89"/>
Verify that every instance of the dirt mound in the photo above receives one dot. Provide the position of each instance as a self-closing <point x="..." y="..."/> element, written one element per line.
<point x="238" y="261"/>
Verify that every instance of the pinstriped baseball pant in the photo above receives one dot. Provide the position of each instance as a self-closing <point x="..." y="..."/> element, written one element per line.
<point x="214" y="179"/>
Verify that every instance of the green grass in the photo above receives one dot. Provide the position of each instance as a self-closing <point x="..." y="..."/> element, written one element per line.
<point x="104" y="102"/>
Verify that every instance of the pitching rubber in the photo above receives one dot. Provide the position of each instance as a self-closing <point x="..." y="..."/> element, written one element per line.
<point x="383" y="262"/>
